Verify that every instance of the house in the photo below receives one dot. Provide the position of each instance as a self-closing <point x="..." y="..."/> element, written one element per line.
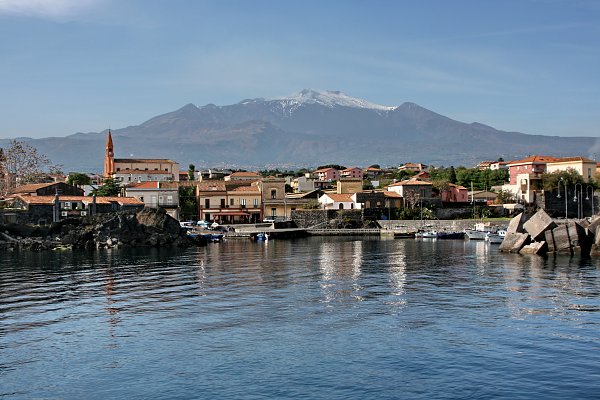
<point x="422" y="176"/>
<point x="415" y="167"/>
<point x="526" y="177"/>
<point x="483" y="165"/>
<point x="412" y="187"/>
<point x="454" y="194"/>
<point x="482" y="196"/>
<point x="584" y="166"/>
<point x="137" y="169"/>
<point x="155" y="194"/>
<point x="327" y="174"/>
<point x="243" y="176"/>
<point x="373" y="172"/>
<point x="237" y="201"/>
<point x="274" y="198"/>
<point x="334" y="201"/>
<point x="303" y="184"/>
<point x="497" y="165"/>
<point x="42" y="210"/>
<point x="377" y="199"/>
<point x="48" y="189"/>
<point x="349" y="185"/>
<point x="354" y="172"/>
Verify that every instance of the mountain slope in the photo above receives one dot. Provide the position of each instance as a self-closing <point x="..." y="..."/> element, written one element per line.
<point x="309" y="128"/>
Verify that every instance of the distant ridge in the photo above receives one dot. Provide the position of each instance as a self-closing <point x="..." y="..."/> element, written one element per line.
<point x="308" y="128"/>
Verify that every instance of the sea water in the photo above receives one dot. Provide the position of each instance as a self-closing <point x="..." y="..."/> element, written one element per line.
<point x="315" y="318"/>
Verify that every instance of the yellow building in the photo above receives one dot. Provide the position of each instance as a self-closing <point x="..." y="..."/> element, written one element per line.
<point x="584" y="166"/>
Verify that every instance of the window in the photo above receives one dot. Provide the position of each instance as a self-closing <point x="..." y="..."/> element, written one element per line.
<point x="255" y="202"/>
<point x="341" y="206"/>
<point x="273" y="193"/>
<point x="222" y="203"/>
<point x="170" y="200"/>
<point x="243" y="202"/>
<point x="231" y="201"/>
<point x="118" y="169"/>
<point x="141" y="198"/>
<point x="273" y="212"/>
<point x="207" y="204"/>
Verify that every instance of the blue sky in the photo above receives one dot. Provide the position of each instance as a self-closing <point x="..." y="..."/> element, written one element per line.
<point x="70" y="66"/>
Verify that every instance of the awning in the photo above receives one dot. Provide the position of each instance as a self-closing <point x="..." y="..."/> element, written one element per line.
<point x="232" y="213"/>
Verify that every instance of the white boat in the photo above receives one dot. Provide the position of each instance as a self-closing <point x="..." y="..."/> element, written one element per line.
<point x="429" y="234"/>
<point x="493" y="238"/>
<point x="474" y="234"/>
<point x="480" y="231"/>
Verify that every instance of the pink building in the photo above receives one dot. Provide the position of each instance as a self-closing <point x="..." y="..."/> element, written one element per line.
<point x="327" y="174"/>
<point x="352" y="173"/>
<point x="534" y="166"/>
<point x="455" y="194"/>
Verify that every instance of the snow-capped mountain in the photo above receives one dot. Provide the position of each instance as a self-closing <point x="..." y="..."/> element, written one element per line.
<point x="309" y="128"/>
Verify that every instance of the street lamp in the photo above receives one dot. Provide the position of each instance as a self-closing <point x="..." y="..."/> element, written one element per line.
<point x="580" y="196"/>
<point x="587" y="196"/>
<point x="558" y="196"/>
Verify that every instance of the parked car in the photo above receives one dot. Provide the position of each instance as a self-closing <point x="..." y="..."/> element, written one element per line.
<point x="269" y="219"/>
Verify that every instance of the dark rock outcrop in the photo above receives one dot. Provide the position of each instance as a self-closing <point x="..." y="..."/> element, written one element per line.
<point x="148" y="227"/>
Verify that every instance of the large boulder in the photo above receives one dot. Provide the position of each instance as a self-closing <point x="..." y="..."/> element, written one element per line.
<point x="571" y="237"/>
<point x="537" y="248"/>
<point x="157" y="220"/>
<point x="516" y="224"/>
<point x="537" y="225"/>
<point x="514" y="242"/>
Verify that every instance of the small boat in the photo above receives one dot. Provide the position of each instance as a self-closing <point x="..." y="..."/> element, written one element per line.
<point x="262" y="237"/>
<point x="493" y="238"/>
<point x="474" y="234"/>
<point x="213" y="237"/>
<point x="451" y="235"/>
<point x="429" y="235"/>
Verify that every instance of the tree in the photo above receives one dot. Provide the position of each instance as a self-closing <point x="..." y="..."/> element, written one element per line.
<point x="188" y="203"/>
<point x="452" y="175"/>
<point x="79" y="179"/>
<point x="21" y="164"/>
<point x="505" y="197"/>
<point x="192" y="172"/>
<point x="570" y="177"/>
<point x="334" y="166"/>
<point x="109" y="187"/>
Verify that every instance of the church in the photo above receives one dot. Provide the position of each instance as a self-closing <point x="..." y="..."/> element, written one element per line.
<point x="129" y="170"/>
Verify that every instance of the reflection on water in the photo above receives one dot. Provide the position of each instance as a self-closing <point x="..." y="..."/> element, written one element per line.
<point x="314" y="318"/>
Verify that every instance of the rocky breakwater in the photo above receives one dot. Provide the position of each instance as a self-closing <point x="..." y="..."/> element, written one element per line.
<point x="539" y="234"/>
<point x="148" y="227"/>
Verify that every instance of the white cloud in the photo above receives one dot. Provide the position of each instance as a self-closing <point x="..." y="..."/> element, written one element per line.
<point x="50" y="9"/>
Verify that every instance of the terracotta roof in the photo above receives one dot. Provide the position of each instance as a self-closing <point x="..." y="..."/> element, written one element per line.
<point x="411" y="182"/>
<point x="84" y="199"/>
<point x="373" y="169"/>
<point x="571" y="159"/>
<point x="123" y="200"/>
<point x="33" y="187"/>
<point x="350" y="169"/>
<point x="144" y="185"/>
<point x="392" y="194"/>
<point x="534" y="160"/>
<point x="153" y="185"/>
<point x="145" y="160"/>
<point x="325" y="170"/>
<point x="208" y="186"/>
<point x="345" y="197"/>
<point x="245" y="189"/>
<point x="143" y="171"/>
<point x="242" y="173"/>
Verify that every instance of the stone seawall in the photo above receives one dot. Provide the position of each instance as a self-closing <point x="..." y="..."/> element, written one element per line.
<point x="448" y="225"/>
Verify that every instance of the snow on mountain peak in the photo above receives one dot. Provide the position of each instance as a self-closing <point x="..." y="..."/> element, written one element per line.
<point x="330" y="98"/>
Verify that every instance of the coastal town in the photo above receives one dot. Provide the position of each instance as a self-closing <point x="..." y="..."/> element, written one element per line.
<point x="402" y="199"/>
